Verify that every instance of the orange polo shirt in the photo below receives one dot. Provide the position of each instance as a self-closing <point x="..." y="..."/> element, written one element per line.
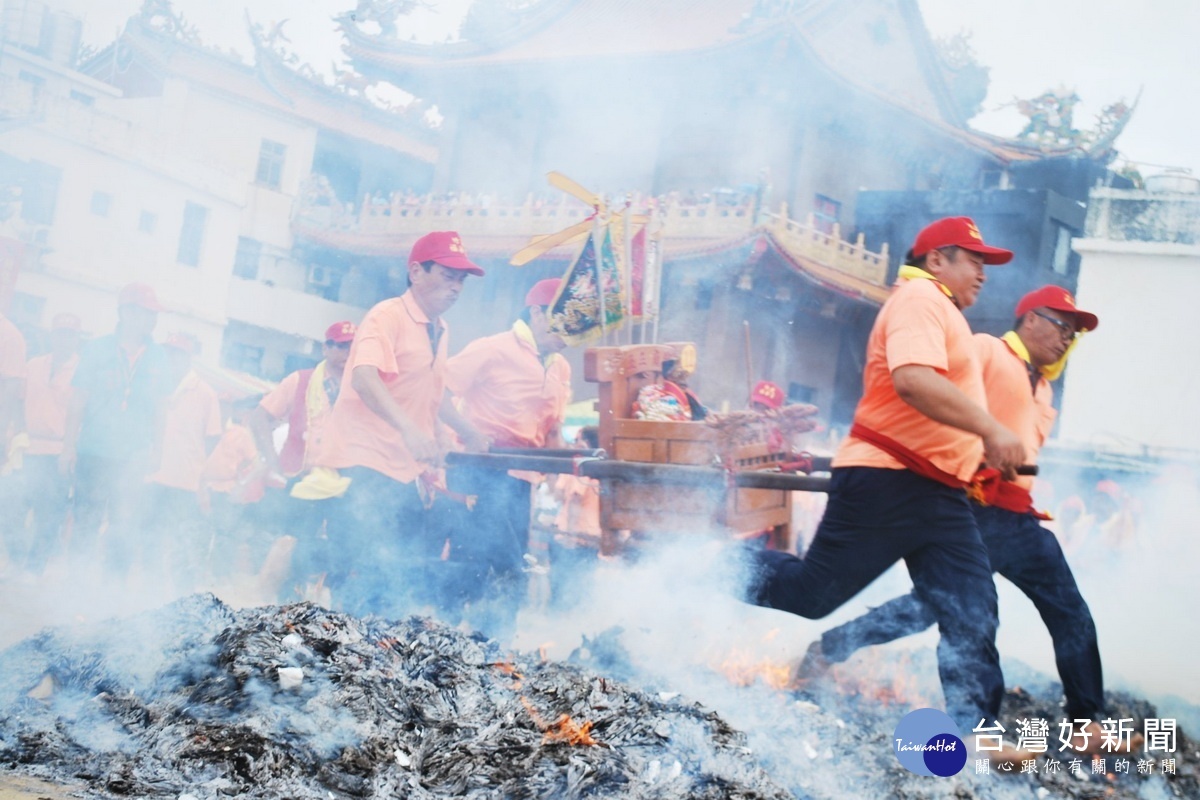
<point x="278" y="403"/>
<point x="508" y="393"/>
<point x="47" y="395"/>
<point x="12" y="350"/>
<point x="580" y="510"/>
<point x="193" y="414"/>
<point x="234" y="457"/>
<point x="1023" y="409"/>
<point x="394" y="338"/>
<point x="918" y="325"/>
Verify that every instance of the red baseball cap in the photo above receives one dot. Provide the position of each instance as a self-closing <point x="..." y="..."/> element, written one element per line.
<point x="445" y="248"/>
<point x="958" y="232"/>
<point x="139" y="294"/>
<point x="341" y="332"/>
<point x="543" y="292"/>
<point x="1059" y="299"/>
<point x="767" y="393"/>
<point x="66" y="322"/>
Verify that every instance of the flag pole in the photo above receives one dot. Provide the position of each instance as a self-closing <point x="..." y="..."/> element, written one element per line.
<point x="627" y="259"/>
<point x="654" y="264"/>
<point x="598" y="251"/>
<point x="749" y="360"/>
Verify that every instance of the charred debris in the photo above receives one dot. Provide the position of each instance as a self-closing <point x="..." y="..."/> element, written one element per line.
<point x="197" y="701"/>
<point x="203" y="701"/>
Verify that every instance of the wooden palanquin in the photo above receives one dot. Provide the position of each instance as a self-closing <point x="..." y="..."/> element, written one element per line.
<point x="647" y="507"/>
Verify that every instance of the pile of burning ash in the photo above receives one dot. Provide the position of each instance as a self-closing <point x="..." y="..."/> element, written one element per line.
<point x="832" y="738"/>
<point x="197" y="700"/>
<point x="855" y="708"/>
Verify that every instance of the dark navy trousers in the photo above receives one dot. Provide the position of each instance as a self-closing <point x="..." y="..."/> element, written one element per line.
<point x="488" y="545"/>
<point x="874" y="518"/>
<point x="1020" y="549"/>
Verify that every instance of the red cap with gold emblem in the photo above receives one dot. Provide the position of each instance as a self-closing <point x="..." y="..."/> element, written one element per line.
<point x="341" y="332"/>
<point x="958" y="232"/>
<point x="66" y="322"/>
<point x="445" y="248"/>
<point x="767" y="393"/>
<point x="1059" y="299"/>
<point x="543" y="292"/>
<point x="139" y="294"/>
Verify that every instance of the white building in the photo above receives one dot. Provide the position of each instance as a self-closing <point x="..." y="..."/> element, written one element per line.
<point x="159" y="160"/>
<point x="1134" y="385"/>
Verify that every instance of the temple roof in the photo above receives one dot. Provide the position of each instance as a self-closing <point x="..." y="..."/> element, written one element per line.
<point x="881" y="49"/>
<point x="142" y="56"/>
<point x="574" y="29"/>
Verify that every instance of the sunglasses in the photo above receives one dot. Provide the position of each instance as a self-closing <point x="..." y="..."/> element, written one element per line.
<point x="1066" y="330"/>
<point x="338" y="345"/>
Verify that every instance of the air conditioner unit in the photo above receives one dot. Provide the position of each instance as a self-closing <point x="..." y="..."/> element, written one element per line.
<point x="319" y="276"/>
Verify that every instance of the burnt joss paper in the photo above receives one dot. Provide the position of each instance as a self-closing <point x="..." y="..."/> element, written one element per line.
<point x="198" y="699"/>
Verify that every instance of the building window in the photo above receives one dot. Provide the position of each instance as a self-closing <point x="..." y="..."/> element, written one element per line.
<point x="1062" y="249"/>
<point x="147" y="222"/>
<point x="101" y="203"/>
<point x="270" y="164"/>
<point x="39" y="193"/>
<point x="994" y="179"/>
<point x="825" y="213"/>
<point x="799" y="393"/>
<point x="245" y="358"/>
<point x="36" y="81"/>
<point x="80" y="97"/>
<point x="191" y="237"/>
<point x="245" y="261"/>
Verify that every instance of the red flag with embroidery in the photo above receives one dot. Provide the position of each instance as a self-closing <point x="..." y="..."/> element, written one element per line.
<point x="637" y="268"/>
<point x="576" y="311"/>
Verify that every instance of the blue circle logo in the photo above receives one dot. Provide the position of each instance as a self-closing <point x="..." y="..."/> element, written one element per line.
<point x="927" y="742"/>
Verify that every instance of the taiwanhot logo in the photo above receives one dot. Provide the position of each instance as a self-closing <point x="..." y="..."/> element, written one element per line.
<point x="927" y="742"/>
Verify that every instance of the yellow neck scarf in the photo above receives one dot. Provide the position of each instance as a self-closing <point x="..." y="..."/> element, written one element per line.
<point x="909" y="272"/>
<point x="523" y="332"/>
<point x="1050" y="372"/>
<point x="187" y="383"/>
<point x="316" y="402"/>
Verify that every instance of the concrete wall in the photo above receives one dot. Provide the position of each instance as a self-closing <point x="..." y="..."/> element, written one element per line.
<point x="1134" y="382"/>
<point x="148" y="158"/>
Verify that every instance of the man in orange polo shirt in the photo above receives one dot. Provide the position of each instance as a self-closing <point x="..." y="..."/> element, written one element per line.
<point x="170" y="513"/>
<point x="513" y="389"/>
<point x="303" y="400"/>
<point x="232" y="485"/>
<point x="114" y="426"/>
<point x="12" y="389"/>
<point x="47" y="396"/>
<point x="12" y="381"/>
<point x="383" y="433"/>
<point x="1017" y="370"/>
<point x="897" y="491"/>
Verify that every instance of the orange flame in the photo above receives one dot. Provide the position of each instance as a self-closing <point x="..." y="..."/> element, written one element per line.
<point x="742" y="668"/>
<point x="890" y="678"/>
<point x="564" y="730"/>
<point x="509" y="669"/>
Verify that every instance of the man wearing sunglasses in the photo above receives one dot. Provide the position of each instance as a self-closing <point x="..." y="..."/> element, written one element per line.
<point x="303" y="400"/>
<point x="1017" y="370"/>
